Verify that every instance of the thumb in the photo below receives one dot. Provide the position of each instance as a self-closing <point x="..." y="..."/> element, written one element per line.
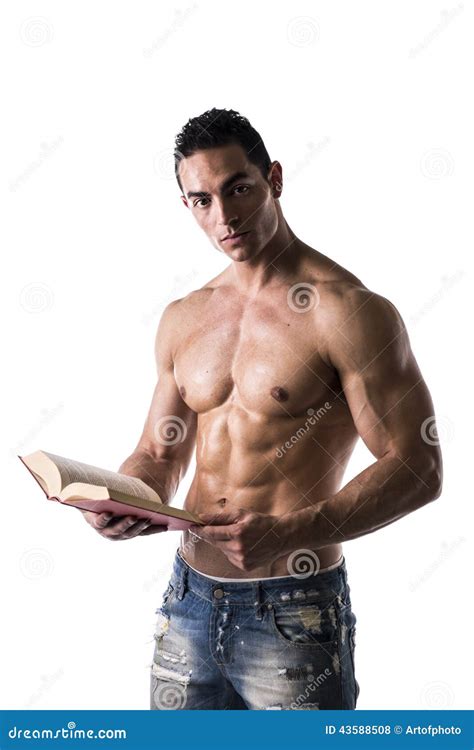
<point x="221" y="517"/>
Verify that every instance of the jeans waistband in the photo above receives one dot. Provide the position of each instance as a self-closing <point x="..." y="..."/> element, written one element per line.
<point x="301" y="587"/>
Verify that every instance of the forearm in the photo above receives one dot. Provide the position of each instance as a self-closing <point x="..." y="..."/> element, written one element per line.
<point x="381" y="494"/>
<point x="162" y="475"/>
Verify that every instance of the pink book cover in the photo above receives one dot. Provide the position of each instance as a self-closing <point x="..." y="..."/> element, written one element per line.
<point x="119" y="508"/>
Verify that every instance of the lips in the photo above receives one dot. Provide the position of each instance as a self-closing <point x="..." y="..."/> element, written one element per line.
<point x="235" y="236"/>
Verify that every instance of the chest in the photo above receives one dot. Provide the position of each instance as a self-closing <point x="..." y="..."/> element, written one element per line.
<point x="264" y="358"/>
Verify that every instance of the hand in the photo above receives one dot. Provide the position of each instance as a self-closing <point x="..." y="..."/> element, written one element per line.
<point x="247" y="538"/>
<point x="118" y="528"/>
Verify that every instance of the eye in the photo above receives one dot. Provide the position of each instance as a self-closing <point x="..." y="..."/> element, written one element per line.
<point x="198" y="202"/>
<point x="243" y="188"/>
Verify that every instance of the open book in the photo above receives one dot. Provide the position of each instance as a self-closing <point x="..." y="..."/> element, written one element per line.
<point x="99" y="490"/>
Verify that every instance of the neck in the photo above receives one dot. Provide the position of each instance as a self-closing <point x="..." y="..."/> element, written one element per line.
<point x="277" y="257"/>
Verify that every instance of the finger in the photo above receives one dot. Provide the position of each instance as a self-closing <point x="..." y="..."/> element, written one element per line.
<point x="153" y="529"/>
<point x="221" y="518"/>
<point x="91" y="517"/>
<point x="136" y="528"/>
<point x="102" y="519"/>
<point x="119" y="525"/>
<point x="215" y="533"/>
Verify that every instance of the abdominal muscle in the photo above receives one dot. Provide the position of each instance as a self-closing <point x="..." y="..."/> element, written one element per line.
<point x="238" y="467"/>
<point x="210" y="560"/>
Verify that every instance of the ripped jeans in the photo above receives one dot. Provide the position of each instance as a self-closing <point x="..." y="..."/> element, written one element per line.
<point x="283" y="644"/>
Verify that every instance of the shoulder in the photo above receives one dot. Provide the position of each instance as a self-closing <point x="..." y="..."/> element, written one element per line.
<point x="197" y="300"/>
<point x="353" y="321"/>
<point x="360" y="326"/>
<point x="190" y="305"/>
<point x="180" y="316"/>
<point x="352" y="305"/>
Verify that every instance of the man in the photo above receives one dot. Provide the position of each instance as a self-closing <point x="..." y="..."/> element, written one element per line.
<point x="273" y="369"/>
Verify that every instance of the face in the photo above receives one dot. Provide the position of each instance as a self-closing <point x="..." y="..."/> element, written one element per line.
<point x="228" y="195"/>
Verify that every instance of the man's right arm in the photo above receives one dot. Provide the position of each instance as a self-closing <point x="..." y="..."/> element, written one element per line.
<point x="163" y="452"/>
<point x="166" y="444"/>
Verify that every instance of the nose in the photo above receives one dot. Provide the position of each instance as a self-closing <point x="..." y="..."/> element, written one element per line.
<point x="226" y="215"/>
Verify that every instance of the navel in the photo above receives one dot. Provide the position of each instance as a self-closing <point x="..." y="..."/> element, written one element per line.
<point x="222" y="501"/>
<point x="279" y="393"/>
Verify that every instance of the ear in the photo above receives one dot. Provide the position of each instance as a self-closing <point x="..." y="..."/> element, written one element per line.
<point x="275" y="178"/>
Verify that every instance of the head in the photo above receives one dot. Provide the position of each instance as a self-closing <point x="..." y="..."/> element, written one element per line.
<point x="228" y="182"/>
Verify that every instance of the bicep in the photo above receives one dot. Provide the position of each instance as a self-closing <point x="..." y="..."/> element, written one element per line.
<point x="384" y="388"/>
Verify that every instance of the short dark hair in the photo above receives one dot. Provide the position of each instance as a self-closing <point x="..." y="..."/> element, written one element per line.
<point x="219" y="127"/>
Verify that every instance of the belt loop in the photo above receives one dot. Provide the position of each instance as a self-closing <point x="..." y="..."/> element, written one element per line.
<point x="258" y="600"/>
<point x="182" y="582"/>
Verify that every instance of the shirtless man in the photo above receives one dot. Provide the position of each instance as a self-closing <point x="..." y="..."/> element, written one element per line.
<point x="273" y="369"/>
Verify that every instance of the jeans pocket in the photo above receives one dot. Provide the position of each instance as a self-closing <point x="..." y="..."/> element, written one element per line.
<point x="306" y="624"/>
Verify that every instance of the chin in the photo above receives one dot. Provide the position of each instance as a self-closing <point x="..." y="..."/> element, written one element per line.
<point x="240" y="255"/>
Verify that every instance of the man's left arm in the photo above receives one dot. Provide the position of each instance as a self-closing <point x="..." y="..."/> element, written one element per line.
<point x="393" y="414"/>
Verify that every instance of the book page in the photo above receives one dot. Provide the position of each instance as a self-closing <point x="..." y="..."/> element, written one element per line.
<point x="75" y="471"/>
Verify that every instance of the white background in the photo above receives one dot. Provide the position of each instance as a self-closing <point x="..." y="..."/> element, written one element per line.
<point x="366" y="105"/>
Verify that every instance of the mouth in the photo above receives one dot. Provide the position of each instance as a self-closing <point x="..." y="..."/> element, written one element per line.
<point x="234" y="238"/>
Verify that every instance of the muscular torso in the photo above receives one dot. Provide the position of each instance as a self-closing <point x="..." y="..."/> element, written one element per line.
<point x="274" y="432"/>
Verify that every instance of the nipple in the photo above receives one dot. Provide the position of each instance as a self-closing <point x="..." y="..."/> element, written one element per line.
<point x="182" y="391"/>
<point x="279" y="393"/>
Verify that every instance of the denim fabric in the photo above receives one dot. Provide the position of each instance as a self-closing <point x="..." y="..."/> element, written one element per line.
<point x="284" y="644"/>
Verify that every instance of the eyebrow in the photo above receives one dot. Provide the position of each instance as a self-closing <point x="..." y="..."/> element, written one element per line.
<point x="223" y="188"/>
